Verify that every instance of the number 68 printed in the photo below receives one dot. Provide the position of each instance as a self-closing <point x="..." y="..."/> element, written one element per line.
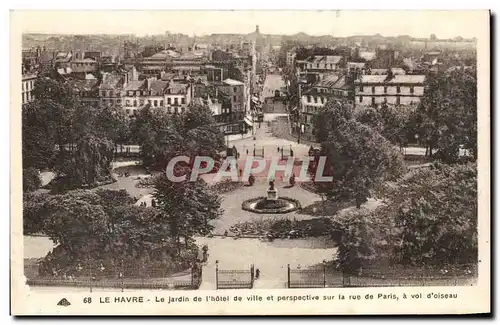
<point x="87" y="300"/>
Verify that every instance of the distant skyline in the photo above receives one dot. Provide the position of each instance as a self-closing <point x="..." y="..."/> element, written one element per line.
<point x="342" y="23"/>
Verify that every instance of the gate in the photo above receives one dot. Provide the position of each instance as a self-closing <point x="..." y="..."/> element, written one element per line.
<point x="315" y="277"/>
<point x="286" y="152"/>
<point x="234" y="279"/>
<point x="258" y="152"/>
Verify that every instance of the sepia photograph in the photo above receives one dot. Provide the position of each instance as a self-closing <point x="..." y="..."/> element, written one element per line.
<point x="166" y="155"/>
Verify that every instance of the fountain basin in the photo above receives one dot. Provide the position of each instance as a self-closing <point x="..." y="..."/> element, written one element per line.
<point x="264" y="205"/>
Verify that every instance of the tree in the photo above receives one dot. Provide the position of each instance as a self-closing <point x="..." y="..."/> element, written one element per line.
<point x="429" y="219"/>
<point x="34" y="212"/>
<point x="31" y="179"/>
<point x="163" y="137"/>
<point x="446" y="118"/>
<point x="88" y="164"/>
<point x="358" y="159"/>
<point x="186" y="207"/>
<point x="330" y="117"/>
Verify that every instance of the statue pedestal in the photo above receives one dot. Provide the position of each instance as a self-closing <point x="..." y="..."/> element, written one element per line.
<point x="272" y="194"/>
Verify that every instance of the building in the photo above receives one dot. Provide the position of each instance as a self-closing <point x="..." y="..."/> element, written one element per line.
<point x="188" y="64"/>
<point x="134" y="96"/>
<point x="27" y="87"/>
<point x="333" y="86"/>
<point x="323" y="63"/>
<point x="371" y="90"/>
<point x="153" y="65"/>
<point x="236" y="91"/>
<point x="63" y="59"/>
<point x="110" y="89"/>
<point x="86" y="91"/>
<point x="290" y="58"/>
<point x="84" y="66"/>
<point x="383" y="72"/>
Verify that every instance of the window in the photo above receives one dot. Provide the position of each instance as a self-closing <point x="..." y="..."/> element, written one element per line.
<point x="183" y="109"/>
<point x="360" y="99"/>
<point x="176" y="110"/>
<point x="149" y="101"/>
<point x="169" y="110"/>
<point x="103" y="93"/>
<point x="331" y="65"/>
<point x="235" y="98"/>
<point x="317" y="65"/>
<point x="398" y="89"/>
<point x="127" y="102"/>
<point x="128" y="111"/>
<point x="176" y="103"/>
<point x="161" y="103"/>
<point x="361" y="88"/>
<point x="155" y="103"/>
<point x="398" y="100"/>
<point x="118" y="102"/>
<point x="385" y="90"/>
<point x="373" y="101"/>
<point x="411" y="90"/>
<point x="138" y="93"/>
<point x="315" y="100"/>
<point x="235" y="89"/>
<point x="135" y="102"/>
<point x="141" y="101"/>
<point x="130" y="93"/>
<point x="183" y="101"/>
<point x="373" y="90"/>
<point x="110" y="94"/>
<point x="169" y="101"/>
<point x="308" y="99"/>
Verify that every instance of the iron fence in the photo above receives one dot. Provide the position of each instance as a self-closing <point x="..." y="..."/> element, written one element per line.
<point x="234" y="279"/>
<point x="324" y="277"/>
<point x="94" y="276"/>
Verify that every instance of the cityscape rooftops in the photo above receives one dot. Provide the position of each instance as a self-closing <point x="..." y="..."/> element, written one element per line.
<point x="135" y="85"/>
<point x="397" y="79"/>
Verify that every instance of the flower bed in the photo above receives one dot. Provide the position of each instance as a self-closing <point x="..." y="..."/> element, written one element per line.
<point x="226" y="186"/>
<point x="283" y="228"/>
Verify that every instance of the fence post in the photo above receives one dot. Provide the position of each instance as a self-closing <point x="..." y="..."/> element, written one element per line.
<point x="217" y="274"/>
<point x="288" y="275"/>
<point x="252" y="275"/>
<point x="122" y="274"/>
<point x="90" y="275"/>
<point x="324" y="273"/>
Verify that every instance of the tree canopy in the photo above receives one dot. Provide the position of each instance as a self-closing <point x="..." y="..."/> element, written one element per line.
<point x="429" y="218"/>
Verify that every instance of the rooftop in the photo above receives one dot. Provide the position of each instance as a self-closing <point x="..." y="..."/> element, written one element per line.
<point x="111" y="81"/>
<point x="158" y="86"/>
<point x="232" y="82"/>
<point x="397" y="79"/>
<point x="326" y="59"/>
<point x="135" y="85"/>
<point x="84" y="85"/>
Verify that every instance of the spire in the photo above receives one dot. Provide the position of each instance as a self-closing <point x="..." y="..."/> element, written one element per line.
<point x="257" y="29"/>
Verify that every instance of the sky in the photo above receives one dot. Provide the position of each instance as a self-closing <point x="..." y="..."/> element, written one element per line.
<point x="444" y="24"/>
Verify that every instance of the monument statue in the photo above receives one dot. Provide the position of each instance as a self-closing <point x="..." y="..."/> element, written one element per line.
<point x="272" y="193"/>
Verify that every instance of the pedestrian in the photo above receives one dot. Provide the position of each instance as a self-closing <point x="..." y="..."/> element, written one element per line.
<point x="278" y="149"/>
<point x="247" y="151"/>
<point x="257" y="274"/>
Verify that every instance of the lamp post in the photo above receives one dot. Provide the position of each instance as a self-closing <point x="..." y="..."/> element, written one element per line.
<point x="217" y="274"/>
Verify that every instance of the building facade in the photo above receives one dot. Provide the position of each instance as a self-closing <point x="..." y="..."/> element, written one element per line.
<point x="27" y="87"/>
<point x="371" y="90"/>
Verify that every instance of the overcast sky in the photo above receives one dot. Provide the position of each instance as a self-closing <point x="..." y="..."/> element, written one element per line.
<point x="445" y="24"/>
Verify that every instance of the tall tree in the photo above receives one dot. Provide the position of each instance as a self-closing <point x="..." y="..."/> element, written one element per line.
<point x="186" y="207"/>
<point x="358" y="159"/>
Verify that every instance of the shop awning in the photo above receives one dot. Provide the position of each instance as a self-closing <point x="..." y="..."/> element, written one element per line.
<point x="248" y="121"/>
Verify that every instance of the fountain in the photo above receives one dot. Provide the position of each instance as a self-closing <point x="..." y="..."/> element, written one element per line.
<point x="271" y="204"/>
